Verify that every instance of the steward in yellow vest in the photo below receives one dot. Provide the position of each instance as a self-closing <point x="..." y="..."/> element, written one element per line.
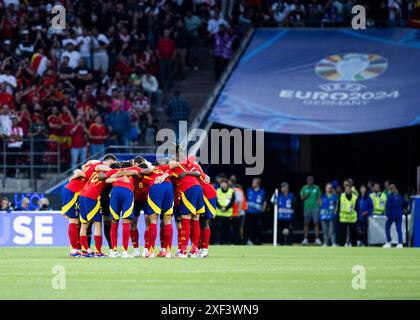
<point x="347" y="213"/>
<point x="379" y="202"/>
<point x="225" y="201"/>
<point x="347" y="217"/>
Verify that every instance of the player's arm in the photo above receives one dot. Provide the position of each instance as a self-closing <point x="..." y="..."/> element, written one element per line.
<point x="136" y="171"/>
<point x="173" y="164"/>
<point x="162" y="177"/>
<point x="101" y="167"/>
<point x="182" y="175"/>
<point x="113" y="179"/>
<point x="102" y="175"/>
<point x="77" y="174"/>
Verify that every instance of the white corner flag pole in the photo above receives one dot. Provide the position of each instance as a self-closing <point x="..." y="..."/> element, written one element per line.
<point x="276" y="210"/>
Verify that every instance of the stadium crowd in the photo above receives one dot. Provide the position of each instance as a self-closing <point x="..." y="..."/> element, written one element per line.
<point x="341" y="211"/>
<point x="101" y="80"/>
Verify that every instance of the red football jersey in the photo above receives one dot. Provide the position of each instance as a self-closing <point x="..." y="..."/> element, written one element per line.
<point x="94" y="186"/>
<point x="126" y="181"/>
<point x="188" y="181"/>
<point x="208" y="190"/>
<point x="77" y="184"/>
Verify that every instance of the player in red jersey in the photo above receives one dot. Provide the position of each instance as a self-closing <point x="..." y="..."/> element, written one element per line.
<point x="166" y="230"/>
<point x="210" y="201"/>
<point x="122" y="203"/>
<point x="191" y="205"/>
<point x="177" y="212"/>
<point x="141" y="190"/>
<point x="69" y="197"/>
<point x="89" y="202"/>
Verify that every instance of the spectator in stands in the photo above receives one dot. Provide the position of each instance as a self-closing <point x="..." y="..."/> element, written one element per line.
<point x="193" y="24"/>
<point x="330" y="14"/>
<point x="395" y="14"/>
<point x="78" y="150"/>
<point x="224" y="211"/>
<point x="151" y="88"/>
<point x="72" y="55"/>
<point x="178" y="110"/>
<point x="327" y="211"/>
<point x="181" y="39"/>
<point x="84" y="42"/>
<point x="347" y="217"/>
<point x="280" y="12"/>
<point x="65" y="72"/>
<point x="215" y="22"/>
<point x="6" y="98"/>
<point x="118" y="121"/>
<point x="83" y="76"/>
<point x="286" y="202"/>
<point x="257" y="204"/>
<point x="97" y="137"/>
<point x="364" y="210"/>
<point x="24" y="205"/>
<point x="100" y="44"/>
<point x="311" y="195"/>
<point x="6" y="205"/>
<point x="6" y="118"/>
<point x="165" y="51"/>
<point x="38" y="132"/>
<point x="14" y="146"/>
<point x="44" y="205"/>
<point x="394" y="212"/>
<point x="7" y="77"/>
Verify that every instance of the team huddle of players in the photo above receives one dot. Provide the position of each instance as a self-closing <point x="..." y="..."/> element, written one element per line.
<point x="104" y="192"/>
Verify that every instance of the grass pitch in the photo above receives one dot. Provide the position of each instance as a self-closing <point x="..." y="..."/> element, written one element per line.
<point x="231" y="272"/>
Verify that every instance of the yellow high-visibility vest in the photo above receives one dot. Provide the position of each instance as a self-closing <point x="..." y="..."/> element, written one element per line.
<point x="348" y="212"/>
<point x="224" y="198"/>
<point x="379" y="203"/>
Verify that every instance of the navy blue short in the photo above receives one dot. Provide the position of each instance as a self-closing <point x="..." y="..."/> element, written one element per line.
<point x="69" y="204"/>
<point x="89" y="209"/>
<point x="160" y="199"/>
<point x="210" y="207"/>
<point x="121" y="203"/>
<point x="192" y="201"/>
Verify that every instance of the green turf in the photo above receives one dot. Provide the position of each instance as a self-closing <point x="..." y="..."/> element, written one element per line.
<point x="231" y="272"/>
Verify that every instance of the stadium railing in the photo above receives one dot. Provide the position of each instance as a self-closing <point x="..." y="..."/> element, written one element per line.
<point x="29" y="160"/>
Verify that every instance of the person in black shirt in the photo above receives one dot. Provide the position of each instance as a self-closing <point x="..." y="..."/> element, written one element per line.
<point x="83" y="76"/>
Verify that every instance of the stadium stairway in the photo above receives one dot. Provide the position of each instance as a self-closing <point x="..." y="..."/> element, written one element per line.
<point x="195" y="88"/>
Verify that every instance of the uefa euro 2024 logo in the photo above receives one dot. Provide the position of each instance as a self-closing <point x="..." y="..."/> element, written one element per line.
<point x="351" y="67"/>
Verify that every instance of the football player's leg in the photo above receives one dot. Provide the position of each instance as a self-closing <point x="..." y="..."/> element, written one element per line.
<point x="84" y="224"/>
<point x="198" y="203"/>
<point x="69" y="209"/>
<point x="127" y="216"/>
<point x="134" y="231"/>
<point x="114" y="209"/>
<point x="153" y="209"/>
<point x="167" y="221"/>
<point x="210" y="213"/>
